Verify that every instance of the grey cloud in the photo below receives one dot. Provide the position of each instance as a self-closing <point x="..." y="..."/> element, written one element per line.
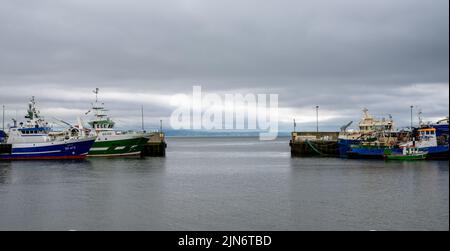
<point x="343" y="55"/>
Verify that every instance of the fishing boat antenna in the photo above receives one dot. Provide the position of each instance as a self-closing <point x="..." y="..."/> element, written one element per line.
<point x="96" y="94"/>
<point x="419" y="115"/>
<point x="366" y="112"/>
<point x="15" y="119"/>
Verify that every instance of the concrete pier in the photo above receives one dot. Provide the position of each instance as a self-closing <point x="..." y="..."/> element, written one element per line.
<point x="156" y="146"/>
<point x="304" y="144"/>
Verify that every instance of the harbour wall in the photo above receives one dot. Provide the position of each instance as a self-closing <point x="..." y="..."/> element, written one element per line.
<point x="156" y="146"/>
<point x="306" y="144"/>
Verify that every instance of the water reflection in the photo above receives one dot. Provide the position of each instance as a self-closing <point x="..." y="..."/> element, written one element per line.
<point x="5" y="172"/>
<point x="224" y="184"/>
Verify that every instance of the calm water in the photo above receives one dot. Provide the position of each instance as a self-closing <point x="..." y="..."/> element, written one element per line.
<point x="224" y="184"/>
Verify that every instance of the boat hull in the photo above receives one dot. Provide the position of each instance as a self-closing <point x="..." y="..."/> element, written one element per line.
<point x="434" y="153"/>
<point x="369" y="152"/>
<point x="70" y="149"/>
<point x="406" y="157"/>
<point x="345" y="146"/>
<point x="117" y="148"/>
<point x="437" y="152"/>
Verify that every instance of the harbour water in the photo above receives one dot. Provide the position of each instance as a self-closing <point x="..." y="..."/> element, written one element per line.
<point x="224" y="184"/>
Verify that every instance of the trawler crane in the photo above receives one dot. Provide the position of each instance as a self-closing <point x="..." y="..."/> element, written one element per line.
<point x="344" y="127"/>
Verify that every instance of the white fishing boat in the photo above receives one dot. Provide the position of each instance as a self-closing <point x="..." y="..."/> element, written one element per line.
<point x="35" y="139"/>
<point x="109" y="141"/>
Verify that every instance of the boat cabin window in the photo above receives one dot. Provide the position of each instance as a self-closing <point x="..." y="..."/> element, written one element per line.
<point x="39" y="131"/>
<point x="427" y="133"/>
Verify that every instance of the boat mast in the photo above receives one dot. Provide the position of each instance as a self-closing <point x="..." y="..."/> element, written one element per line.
<point x="101" y="121"/>
<point x="95" y="107"/>
<point x="96" y="94"/>
<point x="390" y="129"/>
<point x="419" y="116"/>
<point x="99" y="109"/>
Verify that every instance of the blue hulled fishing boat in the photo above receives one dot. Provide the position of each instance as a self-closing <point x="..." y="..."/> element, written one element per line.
<point x="36" y="140"/>
<point x="371" y="151"/>
<point x="369" y="129"/>
<point x="424" y="139"/>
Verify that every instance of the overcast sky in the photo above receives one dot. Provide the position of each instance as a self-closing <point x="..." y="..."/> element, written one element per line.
<point x="341" y="55"/>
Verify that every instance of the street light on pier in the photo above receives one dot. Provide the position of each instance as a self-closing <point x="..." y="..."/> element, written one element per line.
<point x="317" y="119"/>
<point x="411" y="117"/>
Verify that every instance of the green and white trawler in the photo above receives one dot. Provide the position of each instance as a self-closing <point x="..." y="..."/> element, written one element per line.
<point x="111" y="142"/>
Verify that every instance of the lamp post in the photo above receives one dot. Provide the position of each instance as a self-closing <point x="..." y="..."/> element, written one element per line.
<point x="317" y="119"/>
<point x="142" y="118"/>
<point x="411" y="117"/>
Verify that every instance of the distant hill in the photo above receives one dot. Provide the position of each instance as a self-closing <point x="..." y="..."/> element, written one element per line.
<point x="218" y="133"/>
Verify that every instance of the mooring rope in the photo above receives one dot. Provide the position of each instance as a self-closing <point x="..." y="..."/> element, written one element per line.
<point x="317" y="151"/>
